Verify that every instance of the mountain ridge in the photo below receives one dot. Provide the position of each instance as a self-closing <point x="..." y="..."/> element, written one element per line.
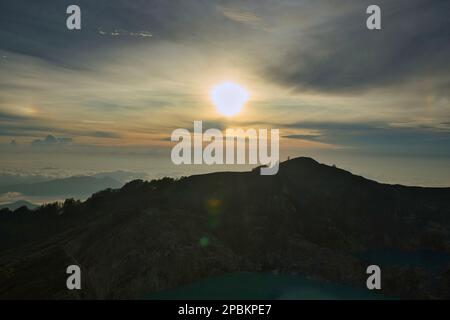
<point x="18" y="204"/>
<point x="147" y="236"/>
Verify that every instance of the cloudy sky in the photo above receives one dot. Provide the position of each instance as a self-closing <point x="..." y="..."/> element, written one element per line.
<point x="139" y="69"/>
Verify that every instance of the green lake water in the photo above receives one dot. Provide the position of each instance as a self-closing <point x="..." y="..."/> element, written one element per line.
<point x="266" y="286"/>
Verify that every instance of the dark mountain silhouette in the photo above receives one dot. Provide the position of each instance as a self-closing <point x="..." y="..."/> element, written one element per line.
<point x="309" y="219"/>
<point x="122" y="176"/>
<point x="72" y="186"/>
<point x="17" y="204"/>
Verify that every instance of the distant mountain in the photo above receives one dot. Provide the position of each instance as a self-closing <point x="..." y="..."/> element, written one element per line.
<point x="17" y="204"/>
<point x="309" y="219"/>
<point x="7" y="179"/>
<point x="122" y="176"/>
<point x="72" y="186"/>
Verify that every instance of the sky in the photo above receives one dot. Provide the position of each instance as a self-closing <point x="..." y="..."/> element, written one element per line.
<point x="108" y="96"/>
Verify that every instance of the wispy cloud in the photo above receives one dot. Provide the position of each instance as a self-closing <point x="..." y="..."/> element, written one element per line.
<point x="243" y="16"/>
<point x="124" y="33"/>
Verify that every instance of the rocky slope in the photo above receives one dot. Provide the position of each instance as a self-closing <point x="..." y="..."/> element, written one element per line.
<point x="309" y="219"/>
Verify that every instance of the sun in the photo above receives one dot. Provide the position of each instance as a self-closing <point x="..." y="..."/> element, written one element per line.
<point x="229" y="98"/>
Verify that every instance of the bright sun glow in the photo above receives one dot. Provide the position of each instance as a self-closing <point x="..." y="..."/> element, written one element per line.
<point x="229" y="98"/>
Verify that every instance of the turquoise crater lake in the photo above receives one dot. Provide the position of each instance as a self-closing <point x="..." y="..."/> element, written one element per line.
<point x="265" y="286"/>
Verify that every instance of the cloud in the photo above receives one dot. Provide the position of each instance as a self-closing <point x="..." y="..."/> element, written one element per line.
<point x="10" y="116"/>
<point x="121" y="33"/>
<point x="310" y="137"/>
<point x="37" y="127"/>
<point x="103" y="134"/>
<point x="243" y="16"/>
<point x="51" y="140"/>
<point x="380" y="137"/>
<point x="304" y="45"/>
<point x="39" y="29"/>
<point x="340" y="55"/>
